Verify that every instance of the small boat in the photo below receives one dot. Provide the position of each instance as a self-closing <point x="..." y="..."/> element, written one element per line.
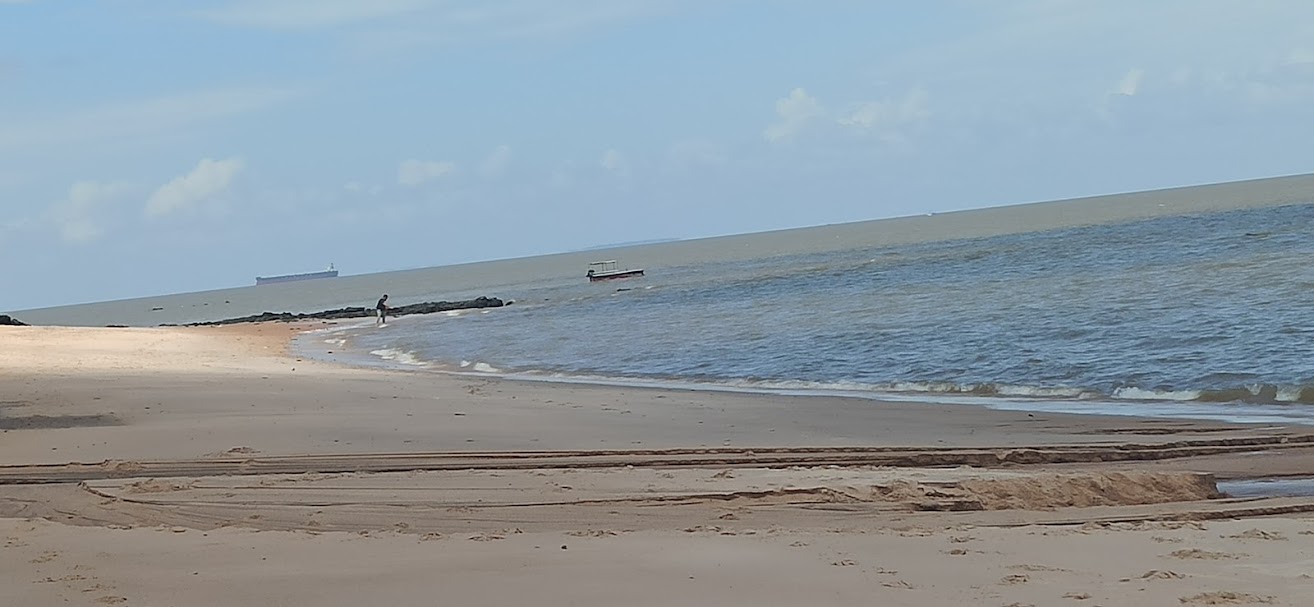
<point x="331" y="272"/>
<point x="606" y="270"/>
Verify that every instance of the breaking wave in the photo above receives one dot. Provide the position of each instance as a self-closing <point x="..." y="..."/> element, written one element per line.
<point x="399" y="356"/>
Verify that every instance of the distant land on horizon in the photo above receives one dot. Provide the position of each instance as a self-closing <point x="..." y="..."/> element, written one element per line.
<point x="632" y="243"/>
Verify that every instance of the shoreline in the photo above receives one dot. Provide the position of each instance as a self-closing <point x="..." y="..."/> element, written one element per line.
<point x="141" y="462"/>
<point x="1260" y="412"/>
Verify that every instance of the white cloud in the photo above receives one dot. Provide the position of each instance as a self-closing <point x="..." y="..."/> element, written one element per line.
<point x="795" y="112"/>
<point x="1130" y="83"/>
<point x="888" y="115"/>
<point x="614" y="162"/>
<point x="208" y="179"/>
<point x="134" y="119"/>
<point x="76" y="215"/>
<point x="415" y="172"/>
<point x="496" y="162"/>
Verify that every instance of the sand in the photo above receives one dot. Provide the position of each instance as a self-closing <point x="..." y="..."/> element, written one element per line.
<point x="190" y="466"/>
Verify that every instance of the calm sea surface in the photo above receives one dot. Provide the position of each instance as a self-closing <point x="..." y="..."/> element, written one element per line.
<point x="1205" y="316"/>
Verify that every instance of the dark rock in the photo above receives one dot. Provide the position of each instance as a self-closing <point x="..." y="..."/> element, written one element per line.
<point x="7" y="320"/>
<point x="361" y="312"/>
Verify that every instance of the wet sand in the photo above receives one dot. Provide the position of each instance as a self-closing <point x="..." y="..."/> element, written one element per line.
<point x="211" y="466"/>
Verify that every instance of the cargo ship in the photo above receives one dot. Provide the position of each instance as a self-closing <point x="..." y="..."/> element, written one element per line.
<point x="331" y="272"/>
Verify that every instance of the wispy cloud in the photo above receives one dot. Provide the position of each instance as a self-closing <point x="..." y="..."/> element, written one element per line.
<point x="310" y="14"/>
<point x="1130" y="83"/>
<point x="415" y="172"/>
<point x="794" y="113"/>
<point x="76" y="217"/>
<point x="208" y="179"/>
<point x="885" y="117"/>
<point x="691" y="154"/>
<point x="614" y="162"/>
<point x="397" y="27"/>
<point x="136" y="118"/>
<point x="496" y="162"/>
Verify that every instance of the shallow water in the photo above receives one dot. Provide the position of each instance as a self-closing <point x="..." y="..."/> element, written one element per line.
<point x="1269" y="487"/>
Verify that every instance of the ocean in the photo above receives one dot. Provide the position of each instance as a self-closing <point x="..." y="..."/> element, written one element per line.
<point x="1205" y="315"/>
<point x="1196" y="316"/>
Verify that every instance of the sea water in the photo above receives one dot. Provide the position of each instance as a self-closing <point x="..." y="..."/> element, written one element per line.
<point x="1207" y="316"/>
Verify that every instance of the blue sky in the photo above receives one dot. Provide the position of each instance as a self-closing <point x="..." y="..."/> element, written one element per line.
<point x="150" y="147"/>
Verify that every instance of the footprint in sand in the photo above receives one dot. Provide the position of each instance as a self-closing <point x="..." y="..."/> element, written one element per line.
<point x="1035" y="568"/>
<point x="111" y="600"/>
<point x="45" y="557"/>
<point x="1010" y="580"/>
<point x="1227" y="598"/>
<point x="900" y="584"/>
<point x="67" y="578"/>
<point x="1203" y="555"/>
<point x="592" y="533"/>
<point x="845" y="563"/>
<point x="1161" y="574"/>
<point x="1076" y="596"/>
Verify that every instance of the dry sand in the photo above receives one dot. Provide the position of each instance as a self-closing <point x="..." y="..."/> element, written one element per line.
<point x="211" y="467"/>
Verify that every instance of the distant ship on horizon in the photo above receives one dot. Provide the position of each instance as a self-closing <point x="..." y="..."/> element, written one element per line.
<point x="331" y="272"/>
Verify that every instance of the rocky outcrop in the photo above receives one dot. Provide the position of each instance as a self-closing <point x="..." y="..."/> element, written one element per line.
<point x="340" y="313"/>
<point x="7" y="320"/>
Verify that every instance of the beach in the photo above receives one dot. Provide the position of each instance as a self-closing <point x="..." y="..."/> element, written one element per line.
<point x="181" y="466"/>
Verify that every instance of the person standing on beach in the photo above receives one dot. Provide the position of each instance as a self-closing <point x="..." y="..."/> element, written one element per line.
<point x="382" y="307"/>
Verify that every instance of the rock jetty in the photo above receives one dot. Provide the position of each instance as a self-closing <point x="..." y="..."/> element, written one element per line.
<point x="419" y="308"/>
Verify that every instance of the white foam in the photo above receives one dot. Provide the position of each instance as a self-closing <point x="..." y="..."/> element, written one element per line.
<point x="1143" y="394"/>
<point x="398" y="356"/>
<point x="1288" y="394"/>
<point x="486" y="368"/>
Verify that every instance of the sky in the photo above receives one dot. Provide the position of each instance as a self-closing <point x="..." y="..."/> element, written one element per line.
<point x="151" y="147"/>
